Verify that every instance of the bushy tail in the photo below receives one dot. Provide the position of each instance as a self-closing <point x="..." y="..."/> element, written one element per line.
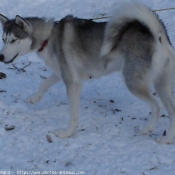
<point x="125" y="15"/>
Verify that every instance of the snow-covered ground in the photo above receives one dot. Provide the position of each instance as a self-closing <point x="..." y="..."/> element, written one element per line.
<point x="108" y="141"/>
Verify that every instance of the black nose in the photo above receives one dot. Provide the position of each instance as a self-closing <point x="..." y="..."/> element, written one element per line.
<point x="1" y="58"/>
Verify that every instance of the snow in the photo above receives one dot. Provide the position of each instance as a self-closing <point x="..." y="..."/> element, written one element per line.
<point x="108" y="141"/>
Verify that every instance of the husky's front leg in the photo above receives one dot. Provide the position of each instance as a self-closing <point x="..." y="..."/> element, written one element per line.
<point x="73" y="93"/>
<point x="46" y="84"/>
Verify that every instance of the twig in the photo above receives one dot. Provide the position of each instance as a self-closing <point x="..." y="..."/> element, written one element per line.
<point x="26" y="65"/>
<point x="97" y="93"/>
<point x="21" y="69"/>
<point x="43" y="77"/>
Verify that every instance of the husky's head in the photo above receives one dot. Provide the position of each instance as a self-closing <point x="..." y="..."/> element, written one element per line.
<point x="16" y="38"/>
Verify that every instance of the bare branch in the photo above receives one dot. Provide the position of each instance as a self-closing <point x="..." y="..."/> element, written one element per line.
<point x="20" y="69"/>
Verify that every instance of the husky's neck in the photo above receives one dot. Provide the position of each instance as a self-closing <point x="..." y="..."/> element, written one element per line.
<point x="41" y="31"/>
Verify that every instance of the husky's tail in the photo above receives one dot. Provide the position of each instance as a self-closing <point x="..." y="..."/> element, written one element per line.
<point x="124" y="16"/>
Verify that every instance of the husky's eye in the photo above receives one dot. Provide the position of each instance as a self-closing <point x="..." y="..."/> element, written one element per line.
<point x="13" y="40"/>
<point x="3" y="40"/>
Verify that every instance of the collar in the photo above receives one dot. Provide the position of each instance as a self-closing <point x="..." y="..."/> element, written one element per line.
<point x="43" y="45"/>
<point x="45" y="42"/>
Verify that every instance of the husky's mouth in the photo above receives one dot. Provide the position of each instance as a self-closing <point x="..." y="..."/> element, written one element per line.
<point x="11" y="59"/>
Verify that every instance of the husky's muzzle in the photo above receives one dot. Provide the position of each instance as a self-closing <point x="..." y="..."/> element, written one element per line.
<point x="2" y="59"/>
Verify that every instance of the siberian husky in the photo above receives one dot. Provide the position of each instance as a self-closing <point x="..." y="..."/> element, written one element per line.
<point x="134" y="41"/>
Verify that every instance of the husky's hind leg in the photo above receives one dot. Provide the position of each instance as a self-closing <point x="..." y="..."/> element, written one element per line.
<point x="155" y="114"/>
<point x="73" y="93"/>
<point x="140" y="88"/>
<point x="164" y="88"/>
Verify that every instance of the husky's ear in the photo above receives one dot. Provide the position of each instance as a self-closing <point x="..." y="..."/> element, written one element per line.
<point x="23" y="24"/>
<point x="3" y="19"/>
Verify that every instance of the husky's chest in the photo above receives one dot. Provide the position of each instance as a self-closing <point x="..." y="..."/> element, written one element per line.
<point x="50" y="61"/>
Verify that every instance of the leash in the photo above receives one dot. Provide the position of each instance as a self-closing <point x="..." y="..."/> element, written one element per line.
<point x="98" y="18"/>
<point x="158" y="10"/>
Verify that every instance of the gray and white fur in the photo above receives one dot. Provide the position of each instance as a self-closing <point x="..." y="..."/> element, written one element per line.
<point x="134" y="41"/>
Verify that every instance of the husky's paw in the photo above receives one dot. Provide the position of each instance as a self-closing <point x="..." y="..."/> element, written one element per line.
<point x="63" y="133"/>
<point x="146" y="131"/>
<point x="165" y="140"/>
<point x="33" y="99"/>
